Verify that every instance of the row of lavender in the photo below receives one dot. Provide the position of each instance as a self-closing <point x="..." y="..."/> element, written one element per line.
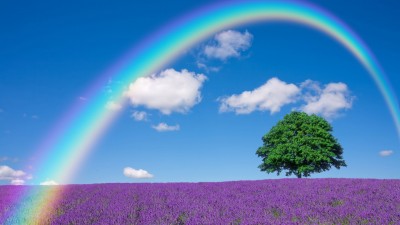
<point x="286" y="201"/>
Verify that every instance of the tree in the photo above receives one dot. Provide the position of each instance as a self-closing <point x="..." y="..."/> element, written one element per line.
<point x="301" y="144"/>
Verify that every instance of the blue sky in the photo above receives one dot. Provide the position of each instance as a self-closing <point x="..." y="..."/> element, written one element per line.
<point x="51" y="52"/>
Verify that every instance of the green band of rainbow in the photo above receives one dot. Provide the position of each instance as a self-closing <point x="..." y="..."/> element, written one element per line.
<point x="69" y="147"/>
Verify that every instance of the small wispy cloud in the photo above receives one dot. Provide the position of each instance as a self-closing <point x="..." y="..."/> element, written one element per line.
<point x="48" y="182"/>
<point x="1" y="110"/>
<point x="11" y="159"/>
<point x="139" y="115"/>
<point x="137" y="174"/>
<point x="112" y="85"/>
<point x="82" y="98"/>
<point x="224" y="45"/>
<point x="113" y="106"/>
<point x="228" y="44"/>
<point x="31" y="116"/>
<point x="17" y="182"/>
<point x="202" y="65"/>
<point x="163" y="127"/>
<point x="385" y="153"/>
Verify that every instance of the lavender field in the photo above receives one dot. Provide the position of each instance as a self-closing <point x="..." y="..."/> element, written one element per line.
<point x="285" y="201"/>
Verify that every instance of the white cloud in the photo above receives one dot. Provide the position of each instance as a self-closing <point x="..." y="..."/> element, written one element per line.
<point x="112" y="85"/>
<point x="5" y="158"/>
<point x="271" y="96"/>
<point x="82" y="98"/>
<point x="169" y="91"/>
<point x="385" y="153"/>
<point x="7" y="173"/>
<point x="33" y="116"/>
<point x="113" y="106"/>
<point x="16" y="177"/>
<point x="162" y="127"/>
<point x="139" y="115"/>
<point x="49" y="182"/>
<point x="228" y="44"/>
<point x="328" y="101"/>
<point x="133" y="173"/>
<point x="208" y="69"/>
<point x="17" y="182"/>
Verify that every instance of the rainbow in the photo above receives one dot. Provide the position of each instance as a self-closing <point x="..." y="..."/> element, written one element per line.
<point x="68" y="144"/>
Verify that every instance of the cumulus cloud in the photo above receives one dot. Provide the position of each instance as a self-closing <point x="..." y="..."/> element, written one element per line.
<point x="15" y="176"/>
<point x="133" y="173"/>
<point x="228" y="44"/>
<point x="7" y="173"/>
<point x="327" y="101"/>
<point x="385" y="153"/>
<point x="113" y="106"/>
<point x="139" y="115"/>
<point x="271" y="96"/>
<point x="162" y="127"/>
<point x="48" y="182"/>
<point x="169" y="91"/>
<point x="17" y="182"/>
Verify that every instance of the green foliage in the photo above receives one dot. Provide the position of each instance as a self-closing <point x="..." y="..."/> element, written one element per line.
<point x="301" y="144"/>
<point x="337" y="203"/>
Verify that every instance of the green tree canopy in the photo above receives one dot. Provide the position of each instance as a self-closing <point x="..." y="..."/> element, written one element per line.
<point x="301" y="144"/>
